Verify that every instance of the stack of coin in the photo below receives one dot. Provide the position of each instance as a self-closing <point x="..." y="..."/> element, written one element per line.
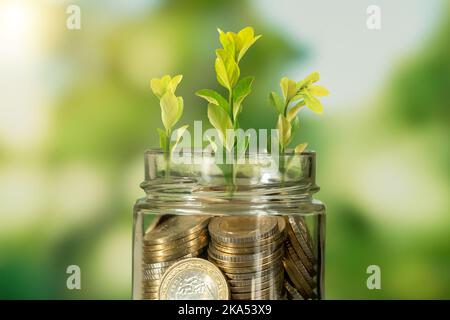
<point x="299" y="261"/>
<point x="173" y="239"/>
<point x="249" y="250"/>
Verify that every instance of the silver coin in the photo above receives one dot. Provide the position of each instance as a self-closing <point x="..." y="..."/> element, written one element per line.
<point x="194" y="279"/>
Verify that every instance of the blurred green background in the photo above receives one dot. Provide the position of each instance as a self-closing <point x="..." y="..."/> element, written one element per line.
<point x="76" y="115"/>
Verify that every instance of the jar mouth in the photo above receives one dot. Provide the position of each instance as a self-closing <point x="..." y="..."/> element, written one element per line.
<point x="265" y="183"/>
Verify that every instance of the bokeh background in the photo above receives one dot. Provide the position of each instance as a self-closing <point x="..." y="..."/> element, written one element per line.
<point x="76" y="115"/>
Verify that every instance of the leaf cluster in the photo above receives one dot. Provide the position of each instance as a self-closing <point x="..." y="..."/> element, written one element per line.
<point x="171" y="109"/>
<point x="295" y="95"/>
<point x="223" y="112"/>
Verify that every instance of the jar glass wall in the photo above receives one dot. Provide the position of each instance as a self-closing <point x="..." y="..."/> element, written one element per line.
<point x="249" y="230"/>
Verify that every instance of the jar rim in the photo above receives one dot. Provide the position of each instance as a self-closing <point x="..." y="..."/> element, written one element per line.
<point x="205" y="183"/>
<point x="200" y="151"/>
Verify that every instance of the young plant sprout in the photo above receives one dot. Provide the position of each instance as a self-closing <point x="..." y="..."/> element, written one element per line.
<point x="223" y="112"/>
<point x="171" y="110"/>
<point x="295" y="96"/>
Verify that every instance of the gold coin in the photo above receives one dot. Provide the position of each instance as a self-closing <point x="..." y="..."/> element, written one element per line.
<point x="257" y="289"/>
<point x="154" y="271"/>
<point x="255" y="280"/>
<point x="150" y="296"/>
<point x="229" y="257"/>
<point x="201" y="241"/>
<point x="252" y="246"/>
<point x="309" y="265"/>
<point x="251" y="263"/>
<point x="297" y="279"/>
<point x="155" y="266"/>
<point x="271" y="269"/>
<point x="174" y="228"/>
<point x="266" y="245"/>
<point x="171" y="262"/>
<point x="153" y="290"/>
<point x="281" y="224"/>
<point x="183" y="252"/>
<point x="290" y="254"/>
<point x="242" y="229"/>
<point x="304" y="231"/>
<point x="155" y="276"/>
<point x="264" y="294"/>
<point x="246" y="269"/>
<point x="301" y="233"/>
<point x="247" y="245"/>
<point x="292" y="293"/>
<point x="258" y="286"/>
<point x="194" y="279"/>
<point x="151" y="282"/>
<point x="176" y="243"/>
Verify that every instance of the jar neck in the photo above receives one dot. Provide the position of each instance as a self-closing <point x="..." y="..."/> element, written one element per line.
<point x="203" y="185"/>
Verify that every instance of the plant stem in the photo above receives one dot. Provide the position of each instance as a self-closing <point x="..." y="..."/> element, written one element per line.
<point x="168" y="153"/>
<point x="230" y="103"/>
<point x="231" y="179"/>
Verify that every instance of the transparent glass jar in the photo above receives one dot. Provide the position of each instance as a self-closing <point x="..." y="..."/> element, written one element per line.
<point x="241" y="231"/>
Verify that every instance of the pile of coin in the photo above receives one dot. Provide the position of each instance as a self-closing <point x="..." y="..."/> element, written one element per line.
<point x="249" y="251"/>
<point x="299" y="261"/>
<point x="174" y="238"/>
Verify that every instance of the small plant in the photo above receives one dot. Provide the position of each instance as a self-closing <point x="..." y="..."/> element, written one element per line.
<point x="223" y="112"/>
<point x="295" y="96"/>
<point x="171" y="110"/>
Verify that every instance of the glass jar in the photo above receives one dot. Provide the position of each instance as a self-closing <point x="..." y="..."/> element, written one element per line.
<point x="234" y="231"/>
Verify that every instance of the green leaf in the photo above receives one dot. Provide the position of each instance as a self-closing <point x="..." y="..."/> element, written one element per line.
<point x="227" y="69"/>
<point x="170" y="109"/>
<point x="288" y="88"/>
<point x="174" y="82"/>
<point x="179" y="134"/>
<point x="221" y="72"/>
<point x="244" y="40"/>
<point x="311" y="78"/>
<point x="292" y="113"/>
<point x="162" y="139"/>
<point x="313" y="103"/>
<point x="300" y="147"/>
<point x="222" y="122"/>
<point x="242" y="90"/>
<point x="159" y="86"/>
<point x="318" y="91"/>
<point x="215" y="98"/>
<point x="276" y="102"/>
<point x="227" y="41"/>
<point x="284" y="131"/>
<point x="295" y="125"/>
<point x="180" y="108"/>
<point x="166" y="83"/>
